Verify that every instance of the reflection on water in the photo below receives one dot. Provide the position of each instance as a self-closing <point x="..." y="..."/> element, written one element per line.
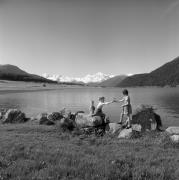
<point x="165" y="100"/>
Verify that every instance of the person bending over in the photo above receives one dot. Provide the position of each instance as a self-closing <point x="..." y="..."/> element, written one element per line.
<point x="99" y="108"/>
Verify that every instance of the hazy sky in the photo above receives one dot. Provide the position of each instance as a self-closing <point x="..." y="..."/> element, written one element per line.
<point x="77" y="37"/>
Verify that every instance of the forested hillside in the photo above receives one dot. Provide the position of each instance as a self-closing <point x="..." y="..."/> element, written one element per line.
<point x="168" y="74"/>
<point x="13" y="73"/>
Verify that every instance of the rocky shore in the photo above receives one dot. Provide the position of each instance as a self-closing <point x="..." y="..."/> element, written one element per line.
<point x="144" y="120"/>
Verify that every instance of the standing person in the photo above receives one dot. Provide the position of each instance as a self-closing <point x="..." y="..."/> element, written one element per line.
<point x="126" y="108"/>
<point x="92" y="108"/>
<point x="99" y="109"/>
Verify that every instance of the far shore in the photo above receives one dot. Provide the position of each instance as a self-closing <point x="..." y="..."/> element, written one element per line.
<point x="20" y="86"/>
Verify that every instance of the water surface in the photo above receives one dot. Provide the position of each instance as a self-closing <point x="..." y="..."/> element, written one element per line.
<point x="165" y="100"/>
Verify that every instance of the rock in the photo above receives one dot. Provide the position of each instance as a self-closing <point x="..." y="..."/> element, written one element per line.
<point x="113" y="128"/>
<point x="14" y="116"/>
<point x="85" y="120"/>
<point x="66" y="113"/>
<point x="49" y="119"/>
<point x="3" y="112"/>
<point x="1" y="115"/>
<point x="153" y="125"/>
<point x="125" y="133"/>
<point x="97" y="121"/>
<point x="55" y="116"/>
<point x="175" y="138"/>
<point x="43" y="120"/>
<point x="173" y="130"/>
<point x="136" y="127"/>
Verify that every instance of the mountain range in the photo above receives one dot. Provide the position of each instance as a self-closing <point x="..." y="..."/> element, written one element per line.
<point x="13" y="73"/>
<point x="168" y="74"/>
<point x="95" y="78"/>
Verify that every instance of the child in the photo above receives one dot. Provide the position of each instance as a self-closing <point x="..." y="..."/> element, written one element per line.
<point x="92" y="108"/>
<point x="126" y="108"/>
<point x="99" y="111"/>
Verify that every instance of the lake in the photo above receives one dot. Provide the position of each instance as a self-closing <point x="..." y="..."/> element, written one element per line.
<point x="165" y="100"/>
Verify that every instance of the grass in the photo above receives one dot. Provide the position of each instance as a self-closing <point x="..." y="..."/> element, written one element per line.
<point x="21" y="86"/>
<point x="29" y="151"/>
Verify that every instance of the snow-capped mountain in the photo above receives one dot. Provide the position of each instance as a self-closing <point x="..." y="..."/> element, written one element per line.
<point x="98" y="77"/>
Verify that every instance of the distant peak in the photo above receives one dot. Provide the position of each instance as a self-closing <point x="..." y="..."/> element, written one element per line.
<point x="89" y="78"/>
<point x="99" y="73"/>
<point x="129" y="74"/>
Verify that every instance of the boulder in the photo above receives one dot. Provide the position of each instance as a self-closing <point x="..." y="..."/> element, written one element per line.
<point x="85" y="120"/>
<point x="66" y="113"/>
<point x="2" y="112"/>
<point x="49" y="119"/>
<point x="173" y="130"/>
<point x="125" y="133"/>
<point x="175" y="138"/>
<point x="147" y="118"/>
<point x="55" y="116"/>
<point x="113" y="128"/>
<point x="43" y="120"/>
<point x="14" y="116"/>
<point x="136" y="127"/>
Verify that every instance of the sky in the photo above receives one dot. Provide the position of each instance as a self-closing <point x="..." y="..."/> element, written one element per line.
<point x="79" y="37"/>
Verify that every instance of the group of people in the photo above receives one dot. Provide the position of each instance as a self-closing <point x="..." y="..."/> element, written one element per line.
<point x="126" y="108"/>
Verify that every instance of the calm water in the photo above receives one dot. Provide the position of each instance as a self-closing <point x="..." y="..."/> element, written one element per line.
<point x="165" y="100"/>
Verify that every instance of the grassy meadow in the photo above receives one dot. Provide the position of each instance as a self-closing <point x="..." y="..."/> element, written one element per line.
<point x="30" y="151"/>
<point x="20" y="86"/>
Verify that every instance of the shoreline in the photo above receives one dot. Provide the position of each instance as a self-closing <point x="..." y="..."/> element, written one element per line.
<point x="21" y="86"/>
<point x="23" y="90"/>
<point x="7" y="87"/>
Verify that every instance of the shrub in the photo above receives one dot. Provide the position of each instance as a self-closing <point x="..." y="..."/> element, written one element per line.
<point x="145" y="116"/>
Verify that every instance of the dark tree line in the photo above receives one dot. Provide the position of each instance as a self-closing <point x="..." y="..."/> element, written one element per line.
<point x="28" y="78"/>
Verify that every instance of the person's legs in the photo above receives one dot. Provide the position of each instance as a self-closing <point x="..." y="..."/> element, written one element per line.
<point x="128" y="121"/>
<point x="121" y="118"/>
<point x="103" y="118"/>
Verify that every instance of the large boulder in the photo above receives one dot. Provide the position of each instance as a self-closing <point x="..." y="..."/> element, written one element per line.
<point x="85" y="120"/>
<point x="43" y="120"/>
<point x="14" y="116"/>
<point x="113" y="128"/>
<point x="125" y="133"/>
<point x="147" y="118"/>
<point x="55" y="116"/>
<point x="173" y="130"/>
<point x="136" y="127"/>
<point x="175" y="138"/>
<point x="49" y="119"/>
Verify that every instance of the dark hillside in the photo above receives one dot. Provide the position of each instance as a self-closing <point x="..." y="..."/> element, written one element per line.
<point x="168" y="74"/>
<point x="112" y="82"/>
<point x="13" y="73"/>
<point x="11" y="69"/>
